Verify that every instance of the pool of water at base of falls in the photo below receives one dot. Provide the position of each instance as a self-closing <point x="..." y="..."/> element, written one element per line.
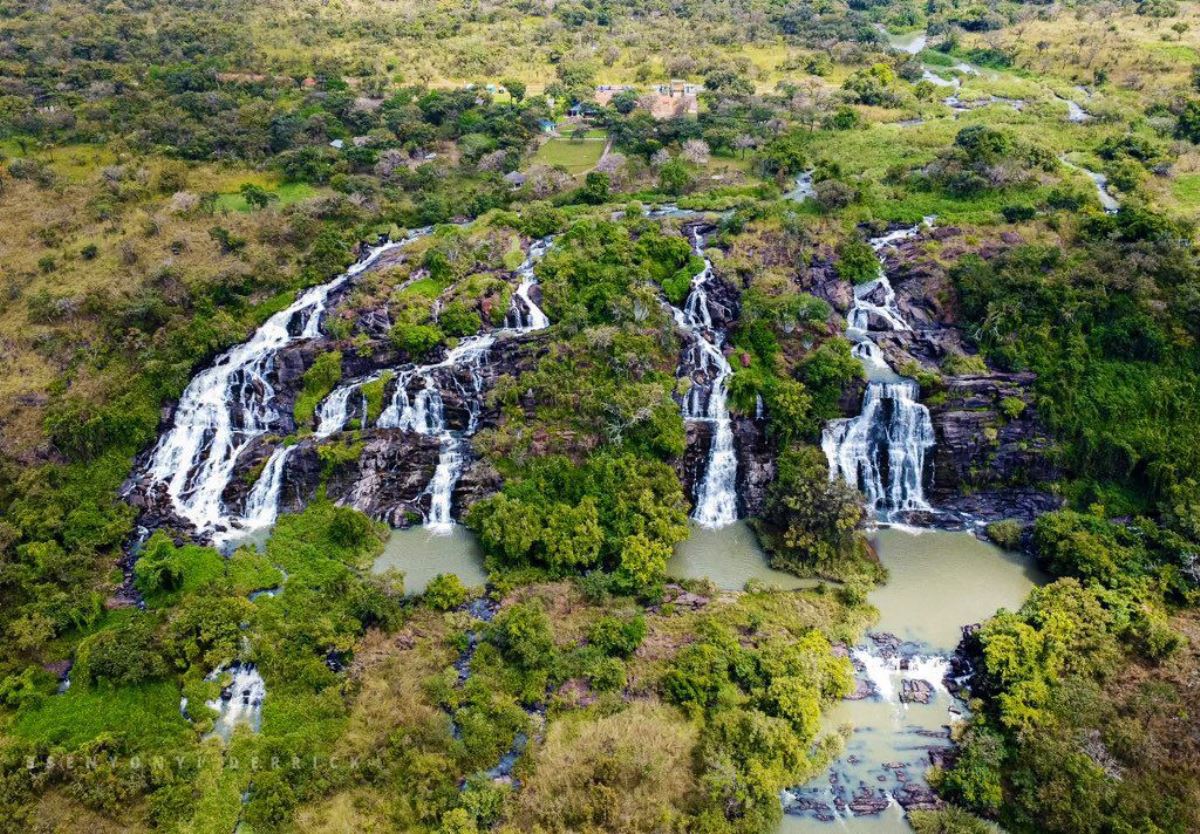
<point x="938" y="582"/>
<point x="422" y="555"/>
<point x="729" y="556"/>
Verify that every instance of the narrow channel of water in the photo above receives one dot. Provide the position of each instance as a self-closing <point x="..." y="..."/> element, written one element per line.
<point x="422" y="554"/>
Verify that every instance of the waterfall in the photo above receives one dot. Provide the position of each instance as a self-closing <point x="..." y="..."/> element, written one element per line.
<point x="425" y="414"/>
<point x="262" y="503"/>
<point x="881" y="451"/>
<point x="883" y="671"/>
<point x="240" y="702"/>
<point x="334" y="412"/>
<point x="230" y="404"/>
<point x="524" y="315"/>
<point x="707" y="400"/>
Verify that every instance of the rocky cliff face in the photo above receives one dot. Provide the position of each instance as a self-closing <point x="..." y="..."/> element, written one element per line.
<point x="756" y="465"/>
<point x="994" y="457"/>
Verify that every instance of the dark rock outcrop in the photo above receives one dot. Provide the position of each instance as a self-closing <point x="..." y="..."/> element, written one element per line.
<point x="756" y="465"/>
<point x="916" y="691"/>
<point x="388" y="480"/>
<point x="992" y="450"/>
<point x="695" y="456"/>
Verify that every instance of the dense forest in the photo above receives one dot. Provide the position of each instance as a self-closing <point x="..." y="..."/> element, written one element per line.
<point x="567" y="286"/>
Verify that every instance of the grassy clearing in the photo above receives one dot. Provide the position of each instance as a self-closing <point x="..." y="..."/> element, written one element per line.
<point x="147" y="716"/>
<point x="288" y="193"/>
<point x="1186" y="189"/>
<point x="631" y="769"/>
<point x="575" y="156"/>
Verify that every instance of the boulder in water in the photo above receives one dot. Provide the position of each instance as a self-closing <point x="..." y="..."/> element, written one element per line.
<point x="916" y="691"/>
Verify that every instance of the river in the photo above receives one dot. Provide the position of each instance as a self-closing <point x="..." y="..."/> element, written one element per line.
<point x="939" y="581"/>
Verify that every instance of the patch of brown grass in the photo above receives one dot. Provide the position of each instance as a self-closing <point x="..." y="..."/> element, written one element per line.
<point x="620" y="774"/>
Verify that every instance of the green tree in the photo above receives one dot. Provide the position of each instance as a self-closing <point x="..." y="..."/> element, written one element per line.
<point x="444" y="592"/>
<point x="257" y="196"/>
<point x="523" y="635"/>
<point x="857" y="262"/>
<point x="515" y="88"/>
<point x="674" y="178"/>
<point x="1188" y="125"/>
<point x="812" y="520"/>
<point x="417" y="340"/>
<point x="595" y="189"/>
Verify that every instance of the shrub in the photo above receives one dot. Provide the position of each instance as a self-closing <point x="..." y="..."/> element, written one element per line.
<point x="457" y="319"/>
<point x="540" y="219"/>
<point x="595" y="188"/>
<point x="618" y="637"/>
<point x="444" y="592"/>
<point x="1018" y="214"/>
<point x="124" y="655"/>
<point x="1012" y="407"/>
<point x="678" y="286"/>
<point x="857" y="262"/>
<point x="674" y="178"/>
<point x="949" y="820"/>
<point x="318" y="381"/>
<point x="1005" y="533"/>
<point x="163" y="572"/>
<point x="522" y="634"/>
<point x="962" y="364"/>
<point x="417" y="340"/>
<point x="834" y="194"/>
<point x="230" y="243"/>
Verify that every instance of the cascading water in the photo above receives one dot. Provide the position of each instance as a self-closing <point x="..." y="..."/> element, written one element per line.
<point x="262" y="503"/>
<point x="335" y="411"/>
<point x="424" y="412"/>
<point x="707" y="400"/>
<point x="239" y="703"/>
<point x="882" y="450"/>
<point x="524" y="315"/>
<point x="230" y="404"/>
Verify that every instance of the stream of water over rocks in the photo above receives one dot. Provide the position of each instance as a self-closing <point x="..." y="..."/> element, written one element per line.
<point x="901" y="713"/>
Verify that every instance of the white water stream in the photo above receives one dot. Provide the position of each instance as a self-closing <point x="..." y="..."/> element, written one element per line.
<point x="938" y="582"/>
<point x="230" y="404"/>
<point x="461" y="370"/>
<point x="239" y="702"/>
<point x="707" y="399"/>
<point x="881" y="451"/>
<point x="336" y="410"/>
<point x="1108" y="202"/>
